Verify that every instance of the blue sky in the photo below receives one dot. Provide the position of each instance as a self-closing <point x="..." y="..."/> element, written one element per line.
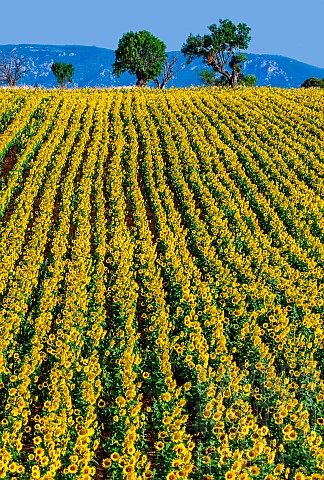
<point x="284" y="27"/>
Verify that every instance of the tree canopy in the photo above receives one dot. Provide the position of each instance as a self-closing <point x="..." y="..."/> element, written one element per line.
<point x="220" y="48"/>
<point x="141" y="54"/>
<point x="63" y="73"/>
<point x="313" y="82"/>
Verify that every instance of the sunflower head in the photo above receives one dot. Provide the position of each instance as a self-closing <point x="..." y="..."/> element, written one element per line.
<point x="114" y="456"/>
<point x="73" y="468"/>
<point x="106" y="463"/>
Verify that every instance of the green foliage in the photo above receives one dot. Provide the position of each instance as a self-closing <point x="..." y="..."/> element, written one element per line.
<point x="249" y="81"/>
<point x="236" y="62"/>
<point x="63" y="73"/>
<point x="208" y="77"/>
<point x="313" y="82"/>
<point x="211" y="78"/>
<point x="219" y="48"/>
<point x="141" y="54"/>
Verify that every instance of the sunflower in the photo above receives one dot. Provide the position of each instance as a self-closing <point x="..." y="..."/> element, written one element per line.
<point x="187" y="386"/>
<point x="247" y="389"/>
<point x="293" y="435"/>
<point x="129" y="469"/>
<point x="230" y="475"/>
<point x="176" y="436"/>
<point x="35" y="472"/>
<point x="244" y="476"/>
<point x="299" y="476"/>
<point x="264" y="430"/>
<point x="73" y="468"/>
<point x="131" y="449"/>
<point x="176" y="463"/>
<point x="13" y="467"/>
<point x="237" y="465"/>
<point x="114" y="456"/>
<point x="166" y="397"/>
<point x="251" y="454"/>
<point x="106" y="463"/>
<point x="207" y="413"/>
<point x="121" y="402"/>
<point x="166" y="420"/>
<point x="37" y="440"/>
<point x="187" y="321"/>
<point x="171" y="476"/>
<point x="159" y="445"/>
<point x="255" y="470"/>
<point x="182" y="402"/>
<point x="279" y="469"/>
<point x="44" y="461"/>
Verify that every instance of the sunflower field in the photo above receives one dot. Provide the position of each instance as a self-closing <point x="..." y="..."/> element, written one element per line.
<point x="162" y="284"/>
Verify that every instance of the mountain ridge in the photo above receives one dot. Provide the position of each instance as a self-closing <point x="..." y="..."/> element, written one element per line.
<point x="93" y="67"/>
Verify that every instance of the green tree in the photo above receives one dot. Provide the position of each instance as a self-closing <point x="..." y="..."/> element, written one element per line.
<point x="249" y="80"/>
<point x="141" y="54"/>
<point x="313" y="82"/>
<point x="220" y="48"/>
<point x="63" y="73"/>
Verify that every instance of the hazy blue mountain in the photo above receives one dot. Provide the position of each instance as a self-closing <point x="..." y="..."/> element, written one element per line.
<point x="93" y="67"/>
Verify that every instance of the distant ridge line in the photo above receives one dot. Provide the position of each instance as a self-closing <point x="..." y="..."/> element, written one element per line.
<point x="93" y="67"/>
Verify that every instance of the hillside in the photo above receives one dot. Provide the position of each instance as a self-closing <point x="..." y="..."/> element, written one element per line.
<point x="93" y="67"/>
<point x="161" y="284"/>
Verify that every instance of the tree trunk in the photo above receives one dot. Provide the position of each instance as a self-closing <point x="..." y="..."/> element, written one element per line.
<point x="233" y="80"/>
<point x="225" y="74"/>
<point x="140" y="82"/>
<point x="157" y="83"/>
